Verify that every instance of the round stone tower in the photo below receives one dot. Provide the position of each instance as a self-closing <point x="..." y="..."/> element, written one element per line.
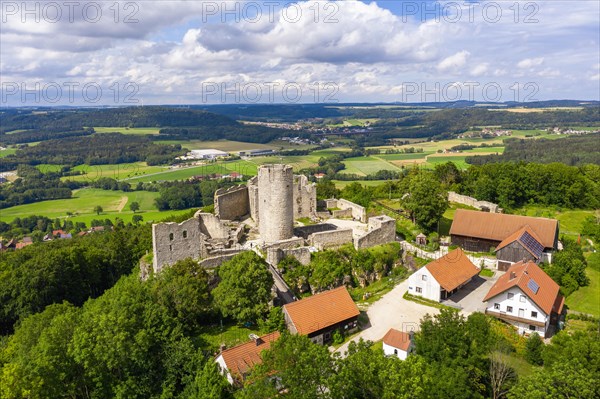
<point x="275" y="202"/>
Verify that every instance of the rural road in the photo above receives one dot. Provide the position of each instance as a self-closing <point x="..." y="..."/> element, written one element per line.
<point x="391" y="311"/>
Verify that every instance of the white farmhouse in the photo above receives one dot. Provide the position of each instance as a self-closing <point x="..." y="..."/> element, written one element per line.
<point x="398" y="343"/>
<point x="443" y="277"/>
<point x="526" y="297"/>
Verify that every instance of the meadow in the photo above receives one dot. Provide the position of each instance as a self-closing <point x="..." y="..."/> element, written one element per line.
<point x="128" y="130"/>
<point x="184" y="173"/>
<point x="587" y="299"/>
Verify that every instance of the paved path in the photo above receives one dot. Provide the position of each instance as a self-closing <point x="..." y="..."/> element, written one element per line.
<point x="392" y="311"/>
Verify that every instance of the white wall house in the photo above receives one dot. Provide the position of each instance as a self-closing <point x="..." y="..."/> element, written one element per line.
<point x="422" y="283"/>
<point x="526" y="297"/>
<point x="441" y="278"/>
<point x="398" y="343"/>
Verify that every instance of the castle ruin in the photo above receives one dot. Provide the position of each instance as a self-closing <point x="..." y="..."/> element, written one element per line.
<point x="261" y="215"/>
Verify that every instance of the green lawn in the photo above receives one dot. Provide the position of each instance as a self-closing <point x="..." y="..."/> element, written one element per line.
<point x="587" y="299"/>
<point x="127" y="130"/>
<point x="229" y="335"/>
<point x="115" y="204"/>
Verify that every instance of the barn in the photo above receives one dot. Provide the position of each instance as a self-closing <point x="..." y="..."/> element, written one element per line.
<point x="479" y="231"/>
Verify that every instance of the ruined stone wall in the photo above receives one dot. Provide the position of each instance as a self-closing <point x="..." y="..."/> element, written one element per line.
<point x="275" y="199"/>
<point x="253" y="198"/>
<point x="382" y="229"/>
<point x="330" y="239"/>
<point x="342" y="213"/>
<point x="218" y="260"/>
<point x="232" y="203"/>
<point x="211" y="226"/>
<point x="172" y="242"/>
<point x="358" y="212"/>
<point x="290" y="243"/>
<point x="275" y="255"/>
<point x="331" y="203"/>
<point x="470" y="201"/>
<point x="305" y="231"/>
<point x="305" y="197"/>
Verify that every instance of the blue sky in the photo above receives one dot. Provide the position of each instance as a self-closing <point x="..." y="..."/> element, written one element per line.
<point x="174" y="52"/>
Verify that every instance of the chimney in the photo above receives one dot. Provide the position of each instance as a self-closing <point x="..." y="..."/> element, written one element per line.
<point x="256" y="339"/>
<point x="512" y="275"/>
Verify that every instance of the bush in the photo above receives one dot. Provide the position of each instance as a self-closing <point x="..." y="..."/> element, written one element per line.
<point x="338" y="337"/>
<point x="533" y="349"/>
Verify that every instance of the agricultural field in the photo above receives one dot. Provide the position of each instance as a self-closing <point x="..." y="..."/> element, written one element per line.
<point x="128" y="130"/>
<point x="341" y="184"/>
<point x="184" y="173"/>
<point x="298" y="162"/>
<point x="363" y="166"/>
<point x="122" y="171"/>
<point x="233" y="146"/>
<point x="7" y="151"/>
<point x="82" y="204"/>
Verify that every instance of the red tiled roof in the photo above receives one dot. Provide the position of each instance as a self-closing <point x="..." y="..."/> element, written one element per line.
<point x="499" y="226"/>
<point x="321" y="310"/>
<point x="397" y="339"/>
<point x="240" y="359"/>
<point x="547" y="296"/>
<point x="452" y="270"/>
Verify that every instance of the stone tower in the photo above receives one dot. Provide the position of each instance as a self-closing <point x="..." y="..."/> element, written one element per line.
<point x="275" y="202"/>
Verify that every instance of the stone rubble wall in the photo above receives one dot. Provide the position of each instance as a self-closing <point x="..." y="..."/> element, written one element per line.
<point x="330" y="239"/>
<point x="232" y="203"/>
<point x="470" y="201"/>
<point x="382" y="230"/>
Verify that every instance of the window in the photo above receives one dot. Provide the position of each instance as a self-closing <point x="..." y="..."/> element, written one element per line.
<point x="533" y="314"/>
<point x="395" y="351"/>
<point x="522" y="298"/>
<point x="171" y="236"/>
<point x="170" y="248"/>
<point x="184" y="233"/>
<point x="497" y="306"/>
<point x="419" y="289"/>
<point x="532" y="328"/>
<point x="509" y="309"/>
<point x="424" y="277"/>
<point x="510" y="295"/>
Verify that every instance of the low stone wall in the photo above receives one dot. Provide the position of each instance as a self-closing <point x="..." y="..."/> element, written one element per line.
<point x="293" y="242"/>
<point x="306" y="231"/>
<point x="342" y="213"/>
<point x="275" y="255"/>
<point x="216" y="261"/>
<point x="330" y="239"/>
<point x="232" y="203"/>
<point x="382" y="229"/>
<point x="470" y="201"/>
<point x="331" y="203"/>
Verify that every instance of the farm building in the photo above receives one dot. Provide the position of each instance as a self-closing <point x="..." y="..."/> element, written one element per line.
<point x="236" y="362"/>
<point x="398" y="343"/>
<point x="526" y="297"/>
<point x="320" y="315"/>
<point x="210" y="153"/>
<point x="515" y="237"/>
<point x="442" y="277"/>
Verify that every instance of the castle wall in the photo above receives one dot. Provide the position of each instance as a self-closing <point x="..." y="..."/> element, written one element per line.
<point x="172" y="242"/>
<point x="305" y="197"/>
<point x="211" y="226"/>
<point x="218" y="260"/>
<point x="358" y="212"/>
<point x="232" y="203"/>
<point x="342" y="213"/>
<point x="382" y="229"/>
<point x="470" y="201"/>
<point x="275" y="255"/>
<point x="305" y="231"/>
<point x="290" y="243"/>
<point x="275" y="195"/>
<point x="330" y="239"/>
<point x="253" y="198"/>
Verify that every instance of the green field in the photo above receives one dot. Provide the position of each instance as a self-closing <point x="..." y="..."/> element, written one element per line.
<point x="363" y="166"/>
<point x="297" y="161"/>
<point x="404" y="157"/>
<point x="223" y="168"/>
<point x="114" y="171"/>
<point x="340" y="184"/>
<point x="227" y="145"/>
<point x="459" y="160"/>
<point x="127" y="130"/>
<point x="570" y="221"/>
<point x="7" y="151"/>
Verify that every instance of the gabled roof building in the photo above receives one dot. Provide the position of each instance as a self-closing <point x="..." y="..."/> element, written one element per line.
<point x="526" y="297"/>
<point x="398" y="343"/>
<point x="443" y="277"/>
<point x="320" y="315"/>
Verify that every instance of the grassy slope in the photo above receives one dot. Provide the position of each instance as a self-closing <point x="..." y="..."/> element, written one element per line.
<point x="587" y="299"/>
<point x="125" y="130"/>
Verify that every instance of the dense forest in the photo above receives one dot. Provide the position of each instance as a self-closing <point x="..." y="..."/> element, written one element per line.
<point x="110" y="148"/>
<point x="573" y="151"/>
